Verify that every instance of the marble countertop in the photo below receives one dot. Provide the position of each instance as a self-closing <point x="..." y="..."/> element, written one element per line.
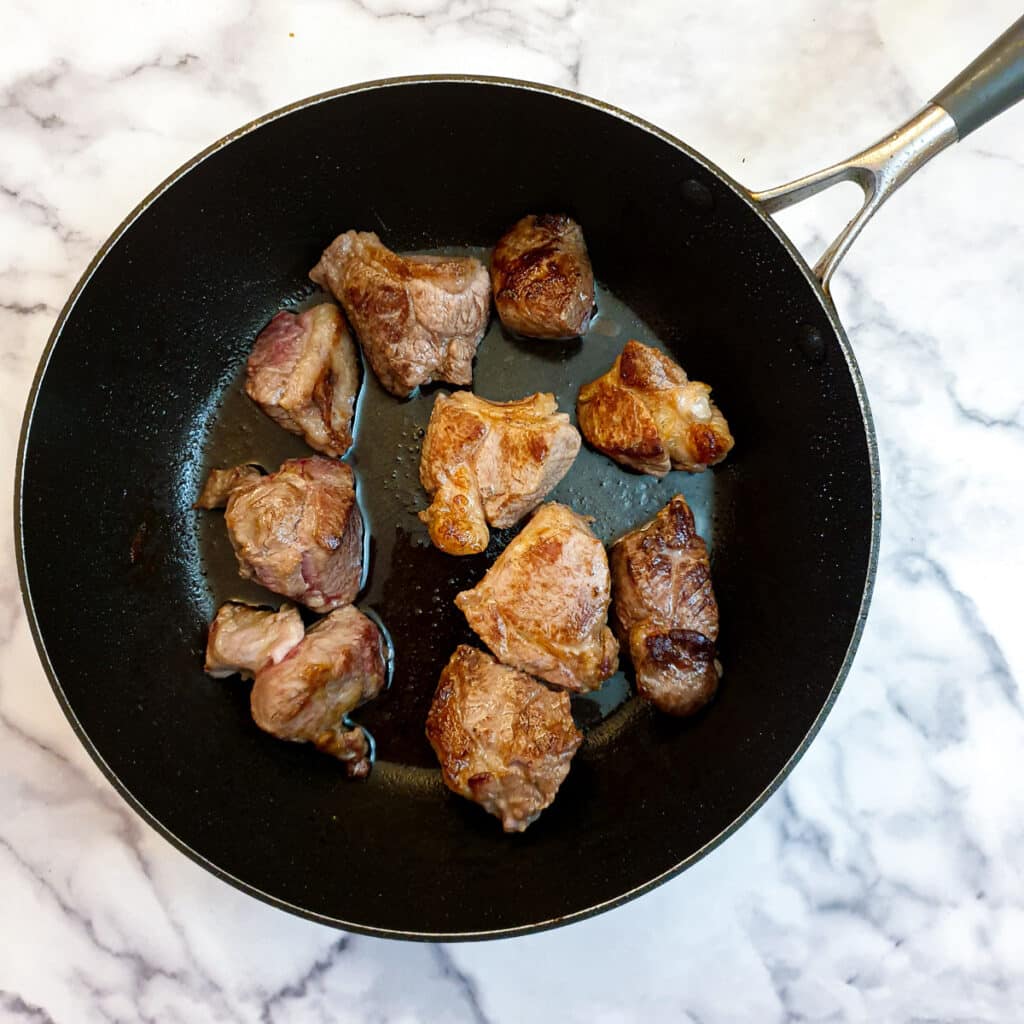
<point x="884" y="881"/>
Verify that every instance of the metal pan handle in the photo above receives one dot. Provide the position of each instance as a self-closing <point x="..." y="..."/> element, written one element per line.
<point x="987" y="87"/>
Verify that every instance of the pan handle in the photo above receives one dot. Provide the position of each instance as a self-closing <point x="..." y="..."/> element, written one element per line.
<point x="987" y="87"/>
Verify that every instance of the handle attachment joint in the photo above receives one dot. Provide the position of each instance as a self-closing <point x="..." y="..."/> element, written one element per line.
<point x="879" y="170"/>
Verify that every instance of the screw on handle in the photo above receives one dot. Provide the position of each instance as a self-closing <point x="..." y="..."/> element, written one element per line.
<point x="988" y="86"/>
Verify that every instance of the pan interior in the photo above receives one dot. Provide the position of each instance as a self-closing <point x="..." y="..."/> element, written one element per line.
<point x="410" y="585"/>
<point x="140" y="396"/>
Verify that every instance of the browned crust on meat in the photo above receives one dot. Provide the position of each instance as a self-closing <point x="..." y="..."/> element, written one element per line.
<point x="709" y="445"/>
<point x="542" y="279"/>
<point x="679" y="647"/>
<point x="299" y="532"/>
<point x="645" y="368"/>
<point x="679" y="673"/>
<point x="502" y="739"/>
<point x="646" y="414"/>
<point x="665" y="609"/>
<point x="455" y="519"/>
<point x="490" y="464"/>
<point x="543" y="605"/>
<point x="417" y="318"/>
<point x="453" y="434"/>
<point x="279" y="706"/>
<point x="616" y="422"/>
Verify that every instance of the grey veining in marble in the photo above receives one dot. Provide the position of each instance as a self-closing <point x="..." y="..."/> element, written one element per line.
<point x="884" y="881"/>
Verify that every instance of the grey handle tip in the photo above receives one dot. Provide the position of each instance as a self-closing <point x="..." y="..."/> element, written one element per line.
<point x="988" y="86"/>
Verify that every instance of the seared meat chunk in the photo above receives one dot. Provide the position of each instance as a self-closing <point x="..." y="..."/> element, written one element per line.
<point x="303" y="373"/>
<point x="647" y="414"/>
<point x="490" y="462"/>
<point x="221" y="482"/>
<point x="676" y="668"/>
<point x="339" y="665"/>
<point x="504" y="740"/>
<point x="543" y="283"/>
<point x="665" y="610"/>
<point x="455" y="520"/>
<point x="543" y="605"/>
<point x="243" y="639"/>
<point x="298" y="532"/>
<point x="352" y="746"/>
<point x="418" y="318"/>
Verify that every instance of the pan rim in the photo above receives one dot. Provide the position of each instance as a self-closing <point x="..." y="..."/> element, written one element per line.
<point x="553" y="922"/>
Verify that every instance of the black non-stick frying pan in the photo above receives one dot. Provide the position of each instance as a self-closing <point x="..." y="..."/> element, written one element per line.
<point x="138" y="394"/>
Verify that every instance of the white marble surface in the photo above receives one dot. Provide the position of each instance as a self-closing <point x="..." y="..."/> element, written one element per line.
<point x="884" y="882"/>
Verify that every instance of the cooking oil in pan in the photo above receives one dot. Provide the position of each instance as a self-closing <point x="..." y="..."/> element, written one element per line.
<point x="409" y="585"/>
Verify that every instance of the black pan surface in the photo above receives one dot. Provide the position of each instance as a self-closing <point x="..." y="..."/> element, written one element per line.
<point x="139" y="394"/>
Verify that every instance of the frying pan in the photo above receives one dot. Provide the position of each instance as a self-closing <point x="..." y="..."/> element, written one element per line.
<point x="138" y="394"/>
